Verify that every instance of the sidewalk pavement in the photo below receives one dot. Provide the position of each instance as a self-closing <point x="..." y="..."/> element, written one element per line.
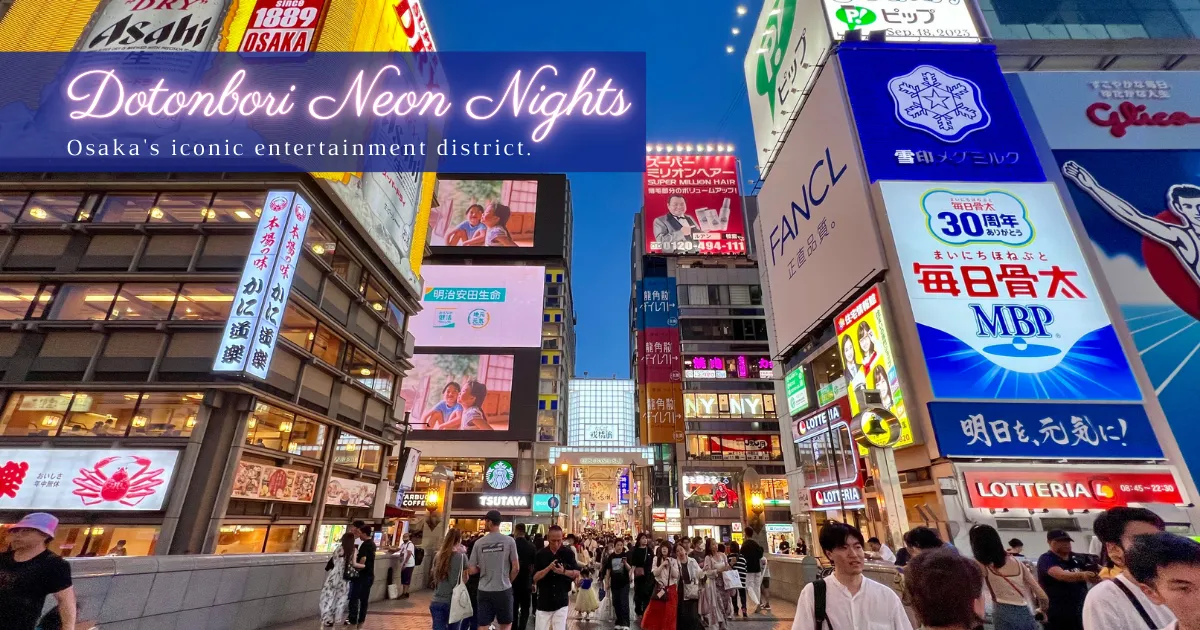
<point x="413" y="614"/>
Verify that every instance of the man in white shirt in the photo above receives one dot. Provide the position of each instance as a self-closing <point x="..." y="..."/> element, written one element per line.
<point x="880" y="551"/>
<point x="1168" y="569"/>
<point x="851" y="600"/>
<point x="408" y="554"/>
<point x="1120" y="602"/>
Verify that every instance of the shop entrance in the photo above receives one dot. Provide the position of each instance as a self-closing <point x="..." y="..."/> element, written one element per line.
<point x="705" y="531"/>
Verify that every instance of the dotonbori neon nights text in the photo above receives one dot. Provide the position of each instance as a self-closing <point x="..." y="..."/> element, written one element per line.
<point x="104" y="95"/>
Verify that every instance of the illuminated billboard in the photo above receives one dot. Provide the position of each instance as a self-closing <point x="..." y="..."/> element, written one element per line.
<point x="693" y="205"/>
<point x="484" y="213"/>
<point x="479" y="306"/>
<point x="459" y="392"/>
<point x="867" y="359"/>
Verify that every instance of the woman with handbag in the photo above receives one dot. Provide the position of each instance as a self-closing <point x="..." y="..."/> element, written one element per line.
<point x="1014" y="590"/>
<point x="335" y="592"/>
<point x="448" y="567"/>
<point x="689" y="590"/>
<point x="664" y="602"/>
<point x="715" y="605"/>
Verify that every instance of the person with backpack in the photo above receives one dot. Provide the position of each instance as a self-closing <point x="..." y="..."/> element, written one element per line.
<point x="846" y="599"/>
<point x="408" y="560"/>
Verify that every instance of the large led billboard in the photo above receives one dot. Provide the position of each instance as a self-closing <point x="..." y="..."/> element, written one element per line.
<point x="459" y="392"/>
<point x="693" y="205"/>
<point x="509" y="215"/>
<point x="480" y="306"/>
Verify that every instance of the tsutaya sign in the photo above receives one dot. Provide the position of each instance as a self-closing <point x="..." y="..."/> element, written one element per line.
<point x="504" y="500"/>
<point x="262" y="293"/>
<point x="1044" y="489"/>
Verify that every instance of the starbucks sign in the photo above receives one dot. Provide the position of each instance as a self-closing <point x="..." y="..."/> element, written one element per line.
<point x="499" y="474"/>
<point x="789" y="45"/>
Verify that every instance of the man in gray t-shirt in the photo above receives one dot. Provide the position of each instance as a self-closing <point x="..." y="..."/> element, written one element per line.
<point x="494" y="558"/>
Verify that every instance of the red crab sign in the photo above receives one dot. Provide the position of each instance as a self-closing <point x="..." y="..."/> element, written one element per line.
<point x="85" y="479"/>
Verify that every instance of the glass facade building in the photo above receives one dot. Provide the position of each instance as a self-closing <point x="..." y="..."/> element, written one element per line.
<point x="1110" y="19"/>
<point x="603" y="412"/>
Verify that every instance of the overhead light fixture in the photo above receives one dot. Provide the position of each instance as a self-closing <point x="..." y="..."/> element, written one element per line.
<point x="156" y="213"/>
<point x="741" y="9"/>
<point x="139" y="421"/>
<point x="658" y="148"/>
<point x="679" y="146"/>
<point x="735" y="30"/>
<point x="242" y="214"/>
<point x="670" y="148"/>
<point x="191" y="422"/>
<point x="285" y="426"/>
<point x="708" y="147"/>
<point x="729" y="147"/>
<point x="649" y="148"/>
<point x="37" y="213"/>
<point x="690" y="148"/>
<point x="729" y="50"/>
<point x="720" y="148"/>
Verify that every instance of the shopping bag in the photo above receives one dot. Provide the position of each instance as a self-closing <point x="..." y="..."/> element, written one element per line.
<point x="606" y="613"/>
<point x="732" y="579"/>
<point x="460" y="603"/>
<point x="393" y="591"/>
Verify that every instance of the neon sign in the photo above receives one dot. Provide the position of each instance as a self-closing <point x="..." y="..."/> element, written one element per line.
<point x="740" y="366"/>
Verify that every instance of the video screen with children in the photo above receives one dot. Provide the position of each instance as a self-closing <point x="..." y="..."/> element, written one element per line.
<point x="459" y="392"/>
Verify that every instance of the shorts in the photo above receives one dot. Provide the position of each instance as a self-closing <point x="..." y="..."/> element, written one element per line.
<point x="494" y="606"/>
<point x="406" y="575"/>
<point x="766" y="583"/>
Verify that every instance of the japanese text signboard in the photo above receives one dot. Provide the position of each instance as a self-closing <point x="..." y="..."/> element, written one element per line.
<point x="921" y="20"/>
<point x="936" y="112"/>
<point x="1004" y="304"/>
<point x="262" y="293"/>
<point x="662" y="412"/>
<point x="819" y="421"/>
<point x="693" y="205"/>
<point x="283" y="27"/>
<point x="658" y="306"/>
<point x="1077" y="430"/>
<point x="1068" y="490"/>
<point x="85" y="479"/>
<point x="658" y="356"/>
<point x="867" y="358"/>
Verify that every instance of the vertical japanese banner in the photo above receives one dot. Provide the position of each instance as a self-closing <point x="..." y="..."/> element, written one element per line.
<point x="262" y="293"/>
<point x="662" y="406"/>
<point x="659" y="351"/>
<point x="693" y="205"/>
<point x="659" y="365"/>
<point x="1003" y="301"/>
<point x="867" y="358"/>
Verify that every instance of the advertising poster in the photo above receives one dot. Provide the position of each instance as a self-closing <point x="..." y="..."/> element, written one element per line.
<point x="269" y="483"/>
<point x="923" y="20"/>
<point x="480" y="306"/>
<point x="818" y="238"/>
<point x="459" y="392"/>
<point x="867" y="358"/>
<point x="1004" y="303"/>
<point x="85" y="479"/>
<point x="659" y="304"/>
<point x="1133" y="176"/>
<point x="789" y="44"/>
<point x="742" y="447"/>
<point x="154" y="26"/>
<point x="693" y="205"/>
<point x="711" y="490"/>
<point x="349" y="492"/>
<point x="1084" y="431"/>
<point x="936" y="113"/>
<point x="283" y="27"/>
<point x="658" y="356"/>
<point x="484" y="213"/>
<point x="731" y="366"/>
<point x="662" y="412"/>
<point x="796" y="386"/>
<point x="1069" y="490"/>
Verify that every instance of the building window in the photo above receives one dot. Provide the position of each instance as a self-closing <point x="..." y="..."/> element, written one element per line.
<point x="101" y="414"/>
<point x="144" y="301"/>
<point x="15" y="300"/>
<point x="124" y="208"/>
<point x="360" y="367"/>
<point x="236" y="207"/>
<point x="249" y="539"/>
<point x="298" y="327"/>
<point x="376" y="298"/>
<point x="756" y="295"/>
<point x="11" y="204"/>
<point x="829" y="376"/>
<point x="166" y="414"/>
<point x="51" y="207"/>
<point x="395" y="317"/>
<point x="319" y="240"/>
<point x="355" y="452"/>
<point x="346" y="268"/>
<point x="327" y="345"/>
<point x="281" y="430"/>
<point x="83" y="301"/>
<point x="204" y="302"/>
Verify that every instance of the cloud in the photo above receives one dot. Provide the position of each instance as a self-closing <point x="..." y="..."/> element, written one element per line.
<point x="1129" y="280"/>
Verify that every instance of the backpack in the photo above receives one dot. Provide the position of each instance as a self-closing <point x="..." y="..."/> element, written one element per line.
<point x="819" y="596"/>
<point x="419" y="555"/>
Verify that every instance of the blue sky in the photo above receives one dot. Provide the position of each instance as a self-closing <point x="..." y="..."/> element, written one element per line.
<point x="696" y="93"/>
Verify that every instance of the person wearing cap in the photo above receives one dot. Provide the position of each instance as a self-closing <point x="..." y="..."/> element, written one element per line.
<point x="494" y="559"/>
<point x="1064" y="577"/>
<point x="29" y="572"/>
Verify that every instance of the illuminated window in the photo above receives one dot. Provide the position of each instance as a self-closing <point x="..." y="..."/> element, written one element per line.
<point x="345" y="267"/>
<point x="166" y="414"/>
<point x="327" y="346"/>
<point x="125" y="208"/>
<point x="101" y="414"/>
<point x="361" y="367"/>
<point x="144" y="301"/>
<point x="74" y="541"/>
<point x="384" y="382"/>
<point x="15" y="300"/>
<point x="285" y="539"/>
<point x="372" y="456"/>
<point x="83" y="301"/>
<point x="347" y="450"/>
<point x="242" y="207"/>
<point x="307" y="438"/>
<point x="204" y="302"/>
<point x="298" y="327"/>
<point x="319" y="241"/>
<point x="376" y="298"/>
<point x="52" y="207"/>
<point x="240" y="539"/>
<point x="10" y="206"/>
<point x="395" y="317"/>
<point x="270" y="427"/>
<point x="88" y="414"/>
<point x="35" y="413"/>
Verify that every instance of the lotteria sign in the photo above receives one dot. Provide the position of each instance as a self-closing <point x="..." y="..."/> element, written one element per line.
<point x="1050" y="489"/>
<point x="817" y="422"/>
<point x="836" y="498"/>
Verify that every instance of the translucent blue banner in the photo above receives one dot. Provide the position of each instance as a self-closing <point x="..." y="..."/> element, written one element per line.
<point x="356" y="112"/>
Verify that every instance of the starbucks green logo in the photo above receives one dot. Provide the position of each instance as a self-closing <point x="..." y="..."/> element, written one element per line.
<point x="499" y="475"/>
<point x="774" y="42"/>
<point x="855" y="17"/>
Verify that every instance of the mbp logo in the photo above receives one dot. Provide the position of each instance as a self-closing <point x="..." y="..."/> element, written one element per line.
<point x="1018" y="323"/>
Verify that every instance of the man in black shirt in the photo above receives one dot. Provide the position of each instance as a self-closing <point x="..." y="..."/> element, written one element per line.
<point x="1064" y="576"/>
<point x="29" y="572"/>
<point x="616" y="566"/>
<point x="554" y="571"/>
<point x="523" y="584"/>
<point x="360" y="587"/>
<point x="753" y="553"/>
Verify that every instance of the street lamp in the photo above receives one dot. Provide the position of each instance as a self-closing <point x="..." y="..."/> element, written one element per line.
<point x="756" y="508"/>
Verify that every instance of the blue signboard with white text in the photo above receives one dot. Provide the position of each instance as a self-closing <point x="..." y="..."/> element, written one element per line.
<point x="936" y="113"/>
<point x="658" y="304"/>
<point x="1078" y="431"/>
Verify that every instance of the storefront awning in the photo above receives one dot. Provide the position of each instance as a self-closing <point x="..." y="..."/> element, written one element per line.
<point x="391" y="511"/>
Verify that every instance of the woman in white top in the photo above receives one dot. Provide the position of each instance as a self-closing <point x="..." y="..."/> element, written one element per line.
<point x="716" y="609"/>
<point x="1014" y="590"/>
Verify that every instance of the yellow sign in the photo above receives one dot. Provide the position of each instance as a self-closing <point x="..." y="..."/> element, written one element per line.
<point x="868" y="361"/>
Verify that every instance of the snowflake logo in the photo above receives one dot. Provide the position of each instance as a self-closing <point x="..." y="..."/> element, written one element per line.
<point x="938" y="103"/>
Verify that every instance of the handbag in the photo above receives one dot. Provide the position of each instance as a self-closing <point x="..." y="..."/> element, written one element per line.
<point x="691" y="590"/>
<point x="732" y="579"/>
<point x="460" y="600"/>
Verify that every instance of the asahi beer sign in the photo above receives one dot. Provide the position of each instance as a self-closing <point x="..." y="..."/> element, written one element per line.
<point x="154" y="25"/>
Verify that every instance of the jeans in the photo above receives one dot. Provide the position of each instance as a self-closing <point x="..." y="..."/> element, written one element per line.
<point x="734" y="595"/>
<point x="360" y="594"/>
<point x="523" y="601"/>
<point x="1013" y="617"/>
<point x="620" y="602"/>
<point x="440" y="612"/>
